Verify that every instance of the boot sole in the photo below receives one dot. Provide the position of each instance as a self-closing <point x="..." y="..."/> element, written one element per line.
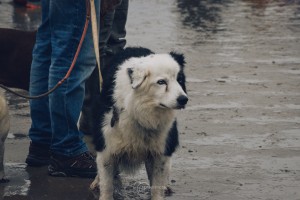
<point x="69" y="173"/>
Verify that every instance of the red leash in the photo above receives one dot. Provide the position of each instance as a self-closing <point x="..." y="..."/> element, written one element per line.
<point x="88" y="17"/>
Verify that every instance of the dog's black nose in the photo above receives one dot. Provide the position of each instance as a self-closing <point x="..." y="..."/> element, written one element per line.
<point x="182" y="100"/>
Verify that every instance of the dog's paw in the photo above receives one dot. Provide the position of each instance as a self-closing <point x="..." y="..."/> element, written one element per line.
<point x="157" y="198"/>
<point x="94" y="186"/>
<point x="106" y="198"/>
<point x="4" y="180"/>
<point x="169" y="191"/>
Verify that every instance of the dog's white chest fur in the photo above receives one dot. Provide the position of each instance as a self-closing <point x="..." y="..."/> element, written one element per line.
<point x="136" y="138"/>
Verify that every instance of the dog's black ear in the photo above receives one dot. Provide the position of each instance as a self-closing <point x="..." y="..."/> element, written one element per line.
<point x="179" y="58"/>
<point x="137" y="76"/>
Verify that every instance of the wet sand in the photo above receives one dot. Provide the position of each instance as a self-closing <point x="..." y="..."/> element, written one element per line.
<point x="240" y="133"/>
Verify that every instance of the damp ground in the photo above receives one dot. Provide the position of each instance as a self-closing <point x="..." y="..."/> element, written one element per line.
<point x="240" y="133"/>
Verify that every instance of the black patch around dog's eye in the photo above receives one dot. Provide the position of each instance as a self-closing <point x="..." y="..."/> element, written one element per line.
<point x="181" y="80"/>
<point x="162" y="82"/>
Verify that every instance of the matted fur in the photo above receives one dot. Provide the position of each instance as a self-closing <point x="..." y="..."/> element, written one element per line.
<point x="137" y="117"/>
<point x="4" y="128"/>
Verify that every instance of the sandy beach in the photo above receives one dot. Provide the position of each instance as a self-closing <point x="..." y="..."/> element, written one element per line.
<point x="240" y="133"/>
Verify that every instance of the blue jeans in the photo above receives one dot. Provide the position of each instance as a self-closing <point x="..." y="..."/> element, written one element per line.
<point x="54" y="118"/>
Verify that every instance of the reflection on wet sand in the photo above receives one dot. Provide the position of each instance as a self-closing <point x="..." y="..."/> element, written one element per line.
<point x="34" y="184"/>
<point x="26" y="19"/>
<point x="202" y="16"/>
<point x="19" y="17"/>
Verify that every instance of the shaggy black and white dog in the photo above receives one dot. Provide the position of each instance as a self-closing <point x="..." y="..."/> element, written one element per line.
<point x="141" y="92"/>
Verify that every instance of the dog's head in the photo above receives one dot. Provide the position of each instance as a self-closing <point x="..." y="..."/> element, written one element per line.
<point x="160" y="80"/>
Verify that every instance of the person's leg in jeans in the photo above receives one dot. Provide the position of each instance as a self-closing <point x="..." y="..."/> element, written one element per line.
<point x="66" y="20"/>
<point x="111" y="41"/>
<point x="40" y="131"/>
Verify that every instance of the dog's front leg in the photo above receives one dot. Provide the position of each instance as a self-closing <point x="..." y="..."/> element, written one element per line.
<point x="95" y="184"/>
<point x="159" y="176"/>
<point x="3" y="136"/>
<point x="1" y="160"/>
<point x="106" y="168"/>
<point x="4" y="128"/>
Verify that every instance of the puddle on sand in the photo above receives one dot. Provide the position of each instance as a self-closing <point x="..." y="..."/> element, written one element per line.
<point x="19" y="184"/>
<point x="27" y="183"/>
<point x="34" y="184"/>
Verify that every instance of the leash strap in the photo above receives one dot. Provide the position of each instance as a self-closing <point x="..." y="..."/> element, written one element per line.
<point x="96" y="40"/>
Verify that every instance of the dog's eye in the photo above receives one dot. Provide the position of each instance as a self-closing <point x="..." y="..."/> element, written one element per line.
<point x="161" y="82"/>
